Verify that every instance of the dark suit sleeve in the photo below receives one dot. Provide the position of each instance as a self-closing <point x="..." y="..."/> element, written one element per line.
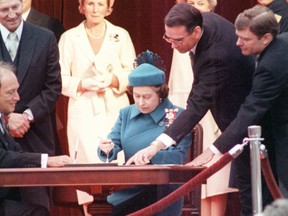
<point x="266" y="89"/>
<point x="57" y="28"/>
<point x="45" y="101"/>
<point x="174" y="154"/>
<point x="207" y="84"/>
<point x="13" y="157"/>
<point x="37" y="18"/>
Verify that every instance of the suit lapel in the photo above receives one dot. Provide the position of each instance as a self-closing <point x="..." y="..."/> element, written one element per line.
<point x="4" y="55"/>
<point x="27" y="49"/>
<point x="3" y="141"/>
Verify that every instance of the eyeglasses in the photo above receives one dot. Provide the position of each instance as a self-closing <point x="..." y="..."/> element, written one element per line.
<point x="177" y="42"/>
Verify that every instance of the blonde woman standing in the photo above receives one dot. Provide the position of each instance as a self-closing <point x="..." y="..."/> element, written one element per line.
<point x="96" y="58"/>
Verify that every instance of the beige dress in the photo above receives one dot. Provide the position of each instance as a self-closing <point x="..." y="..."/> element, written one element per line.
<point x="179" y="91"/>
<point x="92" y="115"/>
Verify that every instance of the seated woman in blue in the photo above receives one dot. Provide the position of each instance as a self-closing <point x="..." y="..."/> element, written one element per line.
<point x="136" y="127"/>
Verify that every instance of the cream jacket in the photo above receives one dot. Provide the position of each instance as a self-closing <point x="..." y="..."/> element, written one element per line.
<point x="91" y="115"/>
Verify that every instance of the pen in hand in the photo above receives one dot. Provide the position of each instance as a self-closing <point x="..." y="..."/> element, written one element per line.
<point x="107" y="147"/>
<point x="76" y="150"/>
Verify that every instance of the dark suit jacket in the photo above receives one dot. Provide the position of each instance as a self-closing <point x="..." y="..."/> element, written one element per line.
<point x="38" y="73"/>
<point x="12" y="156"/>
<point x="266" y="105"/>
<point x="222" y="78"/>
<point x="280" y="7"/>
<point x="37" y="18"/>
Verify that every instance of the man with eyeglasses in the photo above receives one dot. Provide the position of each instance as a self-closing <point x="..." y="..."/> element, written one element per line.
<point x="222" y="76"/>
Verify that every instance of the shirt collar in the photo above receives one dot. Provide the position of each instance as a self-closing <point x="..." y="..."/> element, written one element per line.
<point x="157" y="114"/>
<point x="193" y="50"/>
<point x="5" y="32"/>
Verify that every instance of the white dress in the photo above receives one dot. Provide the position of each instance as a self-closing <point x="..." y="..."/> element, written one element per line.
<point x="92" y="115"/>
<point x="181" y="71"/>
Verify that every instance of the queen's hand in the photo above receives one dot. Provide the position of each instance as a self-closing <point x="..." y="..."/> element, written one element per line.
<point x="106" y="145"/>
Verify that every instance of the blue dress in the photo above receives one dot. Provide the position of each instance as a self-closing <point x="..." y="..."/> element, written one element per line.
<point x="132" y="132"/>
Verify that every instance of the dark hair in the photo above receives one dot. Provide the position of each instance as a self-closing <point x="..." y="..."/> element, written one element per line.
<point x="150" y="58"/>
<point x="259" y="19"/>
<point x="184" y="15"/>
<point x="162" y="90"/>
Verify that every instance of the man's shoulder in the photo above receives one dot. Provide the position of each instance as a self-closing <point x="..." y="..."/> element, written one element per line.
<point x="283" y="36"/>
<point x="215" y="23"/>
<point x="40" y="19"/>
<point x="36" y="16"/>
<point x="37" y="30"/>
<point x="211" y="16"/>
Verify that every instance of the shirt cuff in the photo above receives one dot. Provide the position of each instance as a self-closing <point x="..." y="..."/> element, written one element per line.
<point x="215" y="150"/>
<point x="44" y="160"/>
<point x="166" y="140"/>
<point x="30" y="114"/>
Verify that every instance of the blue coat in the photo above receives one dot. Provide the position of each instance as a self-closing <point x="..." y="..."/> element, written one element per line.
<point x="132" y="132"/>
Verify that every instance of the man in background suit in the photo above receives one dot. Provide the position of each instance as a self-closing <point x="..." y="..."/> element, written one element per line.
<point x="11" y="155"/>
<point x="38" y="73"/>
<point x="30" y="15"/>
<point x="280" y="8"/>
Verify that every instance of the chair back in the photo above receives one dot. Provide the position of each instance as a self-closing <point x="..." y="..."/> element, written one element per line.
<point x="192" y="201"/>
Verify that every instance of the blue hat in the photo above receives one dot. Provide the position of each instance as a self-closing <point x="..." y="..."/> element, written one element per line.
<point x="146" y="75"/>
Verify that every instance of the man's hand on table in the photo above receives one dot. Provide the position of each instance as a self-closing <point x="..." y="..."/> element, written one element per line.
<point x="202" y="159"/>
<point x="59" y="161"/>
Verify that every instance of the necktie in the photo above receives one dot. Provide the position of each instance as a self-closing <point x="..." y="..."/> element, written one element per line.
<point x="4" y="130"/>
<point x="12" y="41"/>
<point x="257" y="61"/>
<point x="192" y="57"/>
<point x="3" y="125"/>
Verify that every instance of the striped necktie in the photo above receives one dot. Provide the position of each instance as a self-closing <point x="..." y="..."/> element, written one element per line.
<point x="4" y="130"/>
<point x="3" y="125"/>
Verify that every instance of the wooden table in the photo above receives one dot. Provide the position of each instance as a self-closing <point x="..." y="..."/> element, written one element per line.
<point x="104" y="176"/>
<point x="97" y="175"/>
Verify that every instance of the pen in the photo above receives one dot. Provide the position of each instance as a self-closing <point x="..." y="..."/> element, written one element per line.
<point x="76" y="150"/>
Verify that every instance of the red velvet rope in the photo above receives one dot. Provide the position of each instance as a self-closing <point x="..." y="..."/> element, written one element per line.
<point x="269" y="178"/>
<point x="185" y="188"/>
<point x="200" y="178"/>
